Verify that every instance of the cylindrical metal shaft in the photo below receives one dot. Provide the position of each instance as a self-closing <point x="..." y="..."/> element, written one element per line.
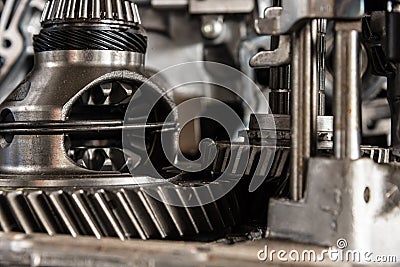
<point x="347" y="106"/>
<point x="308" y="59"/>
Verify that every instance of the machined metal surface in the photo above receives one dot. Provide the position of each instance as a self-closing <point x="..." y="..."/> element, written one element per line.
<point x="347" y="106"/>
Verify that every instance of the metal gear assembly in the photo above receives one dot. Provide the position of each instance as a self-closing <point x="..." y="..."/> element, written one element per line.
<point x="61" y="133"/>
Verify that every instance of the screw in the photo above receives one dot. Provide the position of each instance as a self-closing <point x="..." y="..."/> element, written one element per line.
<point x="212" y="29"/>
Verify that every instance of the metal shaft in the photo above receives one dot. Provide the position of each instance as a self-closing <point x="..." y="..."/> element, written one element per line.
<point x="296" y="176"/>
<point x="306" y="86"/>
<point x="347" y="106"/>
<point x="319" y="41"/>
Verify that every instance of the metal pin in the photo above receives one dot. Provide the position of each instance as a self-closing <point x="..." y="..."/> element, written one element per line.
<point x="129" y="14"/>
<point x="120" y="10"/>
<point x="109" y="9"/>
<point x="346" y="103"/>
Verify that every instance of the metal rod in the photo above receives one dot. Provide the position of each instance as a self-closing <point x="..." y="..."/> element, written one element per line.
<point x="347" y="105"/>
<point x="295" y="122"/>
<point x="306" y="85"/>
<point x="26" y="128"/>
<point x="307" y="91"/>
<point x="321" y="59"/>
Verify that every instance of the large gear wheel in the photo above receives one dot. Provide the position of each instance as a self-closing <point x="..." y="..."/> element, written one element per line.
<point x="122" y="212"/>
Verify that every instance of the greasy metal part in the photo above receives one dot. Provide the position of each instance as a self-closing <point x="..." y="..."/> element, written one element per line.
<point x="283" y="19"/>
<point x="347" y="99"/>
<point x="275" y="58"/>
<point x="361" y="205"/>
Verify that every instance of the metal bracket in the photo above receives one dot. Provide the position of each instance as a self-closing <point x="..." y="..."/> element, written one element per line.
<point x="275" y="58"/>
<point x="356" y="200"/>
<point x="281" y="20"/>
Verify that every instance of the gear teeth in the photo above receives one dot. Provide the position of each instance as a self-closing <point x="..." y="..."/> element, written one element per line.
<point x="45" y="213"/>
<point x="7" y="221"/>
<point x="111" y="225"/>
<point x="66" y="213"/>
<point x="121" y="213"/>
<point x="110" y="10"/>
<point x="84" y="208"/>
<point x="145" y="224"/>
<point x="179" y="215"/>
<point x="23" y="212"/>
<point x="258" y="160"/>
<point x="157" y="215"/>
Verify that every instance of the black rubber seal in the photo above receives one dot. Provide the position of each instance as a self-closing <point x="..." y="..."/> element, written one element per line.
<point x="76" y="38"/>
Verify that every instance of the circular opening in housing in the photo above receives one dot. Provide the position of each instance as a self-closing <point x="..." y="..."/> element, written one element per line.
<point x="367" y="194"/>
<point x="101" y="150"/>
<point x="6" y="116"/>
<point x="7" y="43"/>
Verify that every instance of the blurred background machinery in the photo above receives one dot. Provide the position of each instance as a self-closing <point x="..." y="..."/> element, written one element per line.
<point x="326" y="148"/>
